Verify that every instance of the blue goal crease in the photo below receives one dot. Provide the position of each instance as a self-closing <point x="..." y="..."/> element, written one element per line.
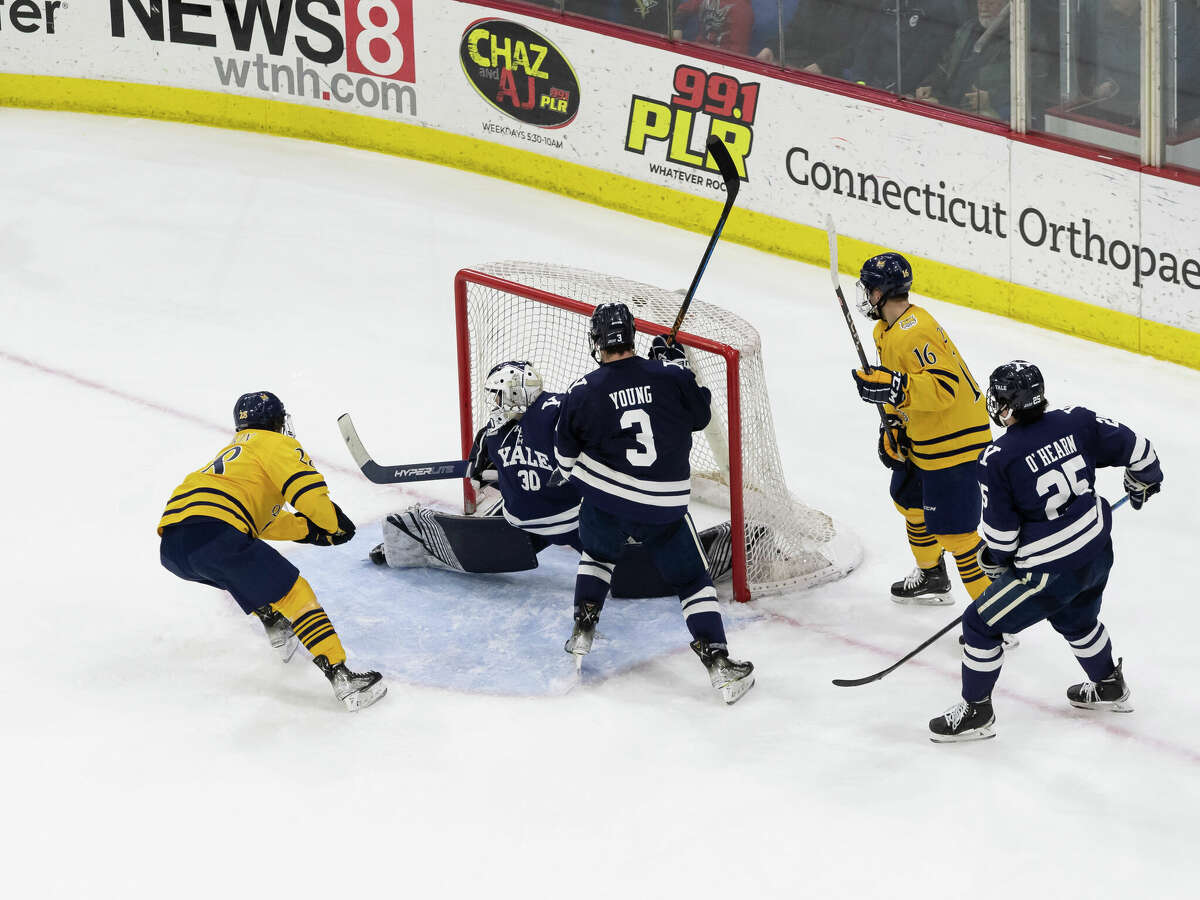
<point x="484" y="634"/>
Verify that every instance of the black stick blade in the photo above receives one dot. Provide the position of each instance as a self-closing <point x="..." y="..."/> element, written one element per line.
<point x="729" y="172"/>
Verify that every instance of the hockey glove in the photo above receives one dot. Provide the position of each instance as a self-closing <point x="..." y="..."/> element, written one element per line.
<point x="321" y="537"/>
<point x="345" y="527"/>
<point x="881" y="386"/>
<point x="660" y="348"/>
<point x="480" y="460"/>
<point x="991" y="568"/>
<point x="1139" y="492"/>
<point x="893" y="444"/>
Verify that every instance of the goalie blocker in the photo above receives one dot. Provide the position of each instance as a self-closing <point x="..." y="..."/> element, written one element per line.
<point x="419" y="536"/>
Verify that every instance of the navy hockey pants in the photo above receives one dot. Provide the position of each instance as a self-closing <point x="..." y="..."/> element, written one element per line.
<point x="675" y="551"/>
<point x="1069" y="601"/>
<point x="212" y="552"/>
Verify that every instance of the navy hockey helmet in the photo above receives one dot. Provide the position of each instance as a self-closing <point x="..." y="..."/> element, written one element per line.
<point x="612" y="328"/>
<point x="1016" y="388"/>
<point x="259" y="409"/>
<point x="891" y="274"/>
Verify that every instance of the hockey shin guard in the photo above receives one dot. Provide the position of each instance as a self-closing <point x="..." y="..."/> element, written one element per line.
<point x="310" y="623"/>
<point x="982" y="657"/>
<point x="702" y="613"/>
<point x="965" y="548"/>
<point x="592" y="581"/>
<point x="1093" y="649"/>
<point x="926" y="549"/>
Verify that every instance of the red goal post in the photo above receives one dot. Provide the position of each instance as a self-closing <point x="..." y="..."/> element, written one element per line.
<point x="540" y="312"/>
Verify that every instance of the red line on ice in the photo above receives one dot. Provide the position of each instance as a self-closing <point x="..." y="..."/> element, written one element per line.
<point x="158" y="407"/>
<point x="1062" y="712"/>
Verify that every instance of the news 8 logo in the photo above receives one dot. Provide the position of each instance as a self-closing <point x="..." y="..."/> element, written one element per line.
<point x="379" y="39"/>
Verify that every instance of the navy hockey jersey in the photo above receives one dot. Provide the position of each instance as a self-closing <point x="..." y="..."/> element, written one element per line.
<point x="625" y="437"/>
<point x="1040" y="507"/>
<point x="523" y="453"/>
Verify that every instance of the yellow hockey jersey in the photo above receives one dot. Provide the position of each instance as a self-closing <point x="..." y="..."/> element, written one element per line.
<point x="944" y="412"/>
<point x="248" y="483"/>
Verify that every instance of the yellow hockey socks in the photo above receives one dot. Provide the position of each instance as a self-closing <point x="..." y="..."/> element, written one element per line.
<point x="965" y="548"/>
<point x="310" y="623"/>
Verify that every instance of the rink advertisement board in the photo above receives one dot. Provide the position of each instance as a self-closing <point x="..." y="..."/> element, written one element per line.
<point x="1103" y="251"/>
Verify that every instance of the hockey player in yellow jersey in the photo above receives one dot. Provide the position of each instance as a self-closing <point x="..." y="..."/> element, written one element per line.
<point x="937" y="425"/>
<point x="215" y="526"/>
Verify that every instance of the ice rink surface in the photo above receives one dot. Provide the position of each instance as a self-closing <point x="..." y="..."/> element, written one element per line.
<point x="154" y="747"/>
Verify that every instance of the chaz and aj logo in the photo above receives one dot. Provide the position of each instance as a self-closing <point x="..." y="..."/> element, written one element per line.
<point x="703" y="104"/>
<point x="520" y="73"/>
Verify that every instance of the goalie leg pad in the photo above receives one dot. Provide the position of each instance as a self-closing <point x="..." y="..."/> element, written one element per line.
<point x="425" y="537"/>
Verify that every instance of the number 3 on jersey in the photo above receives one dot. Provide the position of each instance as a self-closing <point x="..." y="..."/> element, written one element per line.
<point x="640" y="419"/>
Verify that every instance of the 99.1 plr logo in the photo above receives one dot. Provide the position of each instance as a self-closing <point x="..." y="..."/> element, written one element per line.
<point x="703" y="104"/>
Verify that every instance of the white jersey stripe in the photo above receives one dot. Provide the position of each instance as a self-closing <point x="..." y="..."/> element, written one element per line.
<point x="595" y="572"/>
<point x="1029" y="562"/>
<point x="639" y="484"/>
<point x="997" y="535"/>
<point x="1045" y="579"/>
<point x="676" y="500"/>
<point x="1063" y="534"/>
<point x="701" y="606"/>
<point x="1097" y="647"/>
<point x="563" y="516"/>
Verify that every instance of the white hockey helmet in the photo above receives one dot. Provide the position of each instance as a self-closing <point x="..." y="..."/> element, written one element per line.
<point x="514" y="385"/>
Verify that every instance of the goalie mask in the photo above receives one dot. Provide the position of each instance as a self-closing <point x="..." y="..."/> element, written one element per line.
<point x="514" y="385"/>
<point x="262" y="409"/>
<point x="891" y="274"/>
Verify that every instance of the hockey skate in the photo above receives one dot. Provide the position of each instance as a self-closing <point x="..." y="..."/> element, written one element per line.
<point x="1111" y="693"/>
<point x="924" y="587"/>
<point x="580" y="642"/>
<point x="731" y="677"/>
<point x="357" y="690"/>
<point x="279" y="632"/>
<point x="964" y="722"/>
<point x="377" y="555"/>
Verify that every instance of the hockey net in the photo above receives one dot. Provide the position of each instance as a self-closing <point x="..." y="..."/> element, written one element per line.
<point x="539" y="312"/>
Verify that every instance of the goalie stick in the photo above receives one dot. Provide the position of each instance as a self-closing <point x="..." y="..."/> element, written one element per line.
<point x="733" y="182"/>
<point x="856" y="682"/>
<point x="398" y="474"/>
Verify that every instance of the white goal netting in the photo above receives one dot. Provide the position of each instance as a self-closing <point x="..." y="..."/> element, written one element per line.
<point x="789" y="545"/>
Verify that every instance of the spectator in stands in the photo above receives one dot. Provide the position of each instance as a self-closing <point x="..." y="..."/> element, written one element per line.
<point x="973" y="73"/>
<point x="725" y="24"/>
<point x="769" y="17"/>
<point x="648" y="15"/>
<point x="1118" y="48"/>
<point x="1187" y="86"/>
<point x="820" y="38"/>
<point x="926" y="28"/>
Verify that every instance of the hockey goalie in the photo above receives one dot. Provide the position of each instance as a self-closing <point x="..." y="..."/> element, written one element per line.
<point x="535" y="507"/>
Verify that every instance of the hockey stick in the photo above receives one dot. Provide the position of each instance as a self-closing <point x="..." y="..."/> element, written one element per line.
<point x="837" y="288"/>
<point x="398" y="474"/>
<point x="733" y="182"/>
<point x="855" y="682"/>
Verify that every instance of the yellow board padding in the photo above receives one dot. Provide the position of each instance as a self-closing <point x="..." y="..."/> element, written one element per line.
<point x="660" y="204"/>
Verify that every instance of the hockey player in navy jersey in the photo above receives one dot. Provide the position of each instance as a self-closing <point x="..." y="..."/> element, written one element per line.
<point x="517" y="443"/>
<point x="1047" y="545"/>
<point x="624" y="439"/>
